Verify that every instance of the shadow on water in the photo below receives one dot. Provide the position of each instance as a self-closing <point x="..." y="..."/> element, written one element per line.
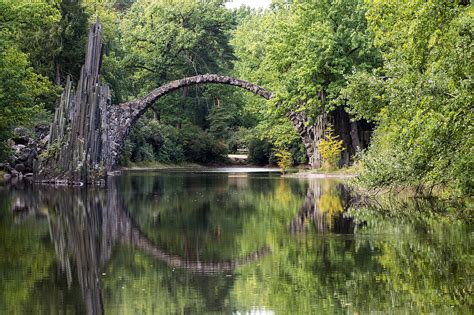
<point x="229" y="242"/>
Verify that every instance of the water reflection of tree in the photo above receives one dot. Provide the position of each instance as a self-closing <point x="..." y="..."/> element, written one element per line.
<point x="25" y="257"/>
<point x="209" y="216"/>
<point x="403" y="256"/>
<point x="323" y="206"/>
<point x="426" y="252"/>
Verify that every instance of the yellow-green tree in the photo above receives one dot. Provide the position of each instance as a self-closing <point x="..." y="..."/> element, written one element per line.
<point x="330" y="148"/>
<point x="284" y="159"/>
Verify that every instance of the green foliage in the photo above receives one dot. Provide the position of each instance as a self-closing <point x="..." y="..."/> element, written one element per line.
<point x="165" y="40"/>
<point x="306" y="50"/>
<point x="152" y="141"/>
<point x="31" y="27"/>
<point x="171" y="147"/>
<point x="302" y="51"/>
<point x="260" y="152"/>
<point x="51" y="151"/>
<point x="284" y="160"/>
<point x="199" y="146"/>
<point x="72" y="31"/>
<point x="239" y="140"/>
<point x="330" y="148"/>
<point x="421" y="98"/>
<point x="25" y="34"/>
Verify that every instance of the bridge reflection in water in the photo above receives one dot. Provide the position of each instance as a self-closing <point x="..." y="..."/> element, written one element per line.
<point x="85" y="224"/>
<point x="192" y="242"/>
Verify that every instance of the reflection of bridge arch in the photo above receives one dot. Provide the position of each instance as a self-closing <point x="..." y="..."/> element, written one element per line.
<point x="85" y="224"/>
<point x="107" y="219"/>
<point x="134" y="236"/>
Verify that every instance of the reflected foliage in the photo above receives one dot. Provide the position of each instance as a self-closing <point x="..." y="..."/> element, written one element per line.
<point x="197" y="242"/>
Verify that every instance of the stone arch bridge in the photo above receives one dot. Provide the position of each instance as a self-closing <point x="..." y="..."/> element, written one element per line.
<point x="123" y="116"/>
<point x="88" y="131"/>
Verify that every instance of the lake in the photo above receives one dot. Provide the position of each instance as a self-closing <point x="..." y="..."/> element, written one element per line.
<point x="230" y="241"/>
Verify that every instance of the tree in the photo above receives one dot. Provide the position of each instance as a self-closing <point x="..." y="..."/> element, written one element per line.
<point x="162" y="41"/>
<point x="23" y="90"/>
<point x="330" y="148"/>
<point x="303" y="51"/>
<point x="166" y="40"/>
<point x="421" y="98"/>
<point x="284" y="159"/>
<point x="72" y="32"/>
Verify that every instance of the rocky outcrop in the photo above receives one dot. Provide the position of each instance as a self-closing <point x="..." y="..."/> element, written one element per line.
<point x="78" y="151"/>
<point x="26" y="146"/>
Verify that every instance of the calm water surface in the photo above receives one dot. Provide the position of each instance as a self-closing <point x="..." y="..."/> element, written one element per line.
<point x="232" y="242"/>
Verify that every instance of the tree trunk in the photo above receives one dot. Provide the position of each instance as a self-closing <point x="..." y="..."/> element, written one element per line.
<point x="57" y="75"/>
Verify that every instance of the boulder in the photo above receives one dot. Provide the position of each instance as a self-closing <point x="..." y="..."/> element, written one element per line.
<point x="20" y="167"/>
<point x="20" y="136"/>
<point x="25" y="154"/>
<point x="25" y="150"/>
<point x="41" y="131"/>
<point x="18" y="148"/>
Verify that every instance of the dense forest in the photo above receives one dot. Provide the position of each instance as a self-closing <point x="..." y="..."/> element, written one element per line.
<point x="403" y="68"/>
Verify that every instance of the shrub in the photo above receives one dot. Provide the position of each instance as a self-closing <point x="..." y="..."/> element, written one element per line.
<point x="260" y="151"/>
<point x="284" y="159"/>
<point x="330" y="148"/>
<point x="167" y="142"/>
<point x="199" y="146"/>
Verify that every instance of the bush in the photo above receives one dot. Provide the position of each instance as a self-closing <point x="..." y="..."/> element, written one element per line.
<point x="330" y="149"/>
<point x="239" y="140"/>
<point x="167" y="143"/>
<point x="284" y="159"/>
<point x="260" y="152"/>
<point x="153" y="141"/>
<point x="201" y="147"/>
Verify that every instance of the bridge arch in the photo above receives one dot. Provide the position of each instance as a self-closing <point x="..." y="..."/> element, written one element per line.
<point x="122" y="117"/>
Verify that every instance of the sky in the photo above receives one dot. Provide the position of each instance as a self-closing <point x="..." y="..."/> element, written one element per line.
<point x="250" y="3"/>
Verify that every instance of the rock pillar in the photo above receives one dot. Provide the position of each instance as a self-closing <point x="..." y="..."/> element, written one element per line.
<point x="78" y="137"/>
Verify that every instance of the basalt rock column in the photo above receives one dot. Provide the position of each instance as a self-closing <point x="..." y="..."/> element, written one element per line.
<point x="78" y="140"/>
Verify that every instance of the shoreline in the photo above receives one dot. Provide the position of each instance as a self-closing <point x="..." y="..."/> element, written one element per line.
<point x="146" y="167"/>
<point x="309" y="175"/>
<point x="198" y="167"/>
